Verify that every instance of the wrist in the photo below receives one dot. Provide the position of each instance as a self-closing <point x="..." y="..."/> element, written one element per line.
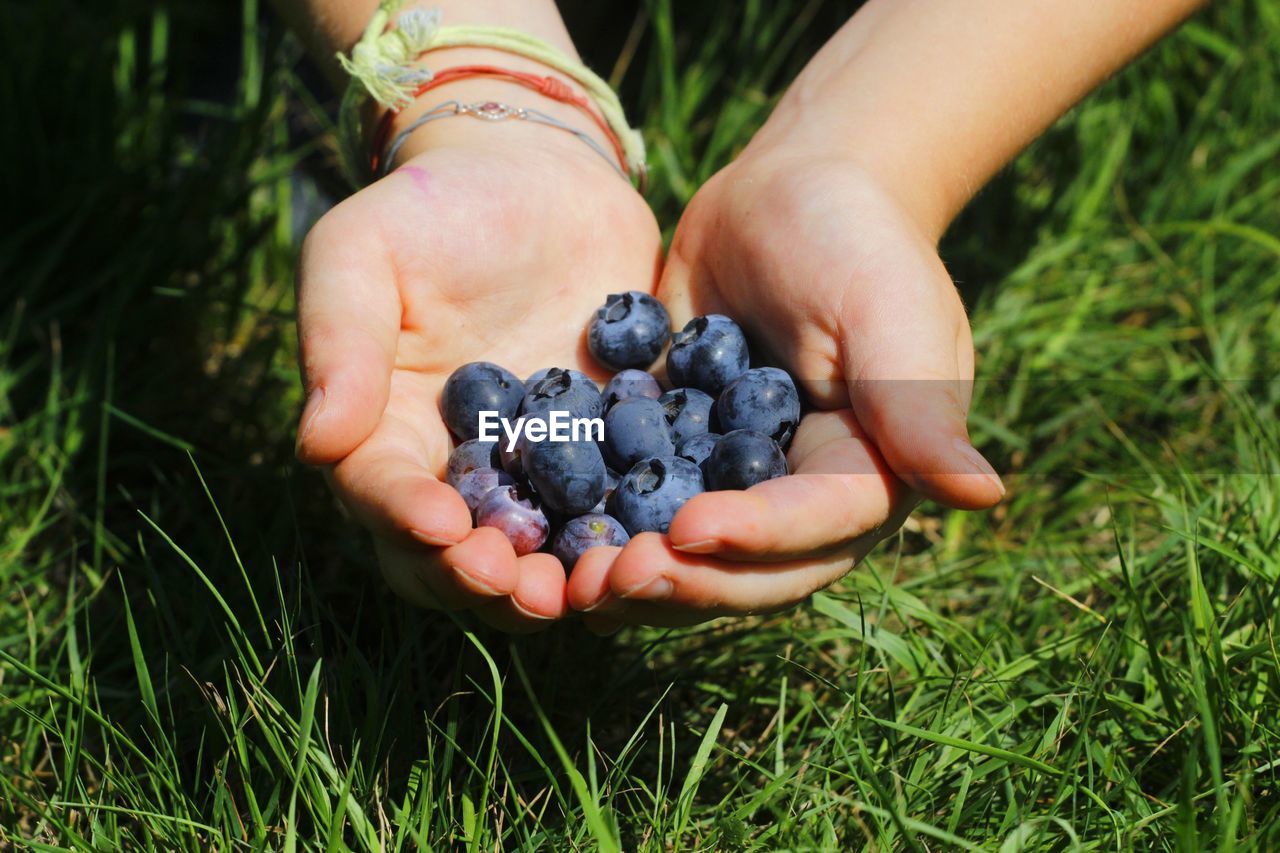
<point x="472" y="132"/>
<point x="935" y="98"/>
<point x="801" y="136"/>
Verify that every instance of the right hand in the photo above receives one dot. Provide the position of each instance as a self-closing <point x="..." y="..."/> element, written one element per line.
<point x="490" y="243"/>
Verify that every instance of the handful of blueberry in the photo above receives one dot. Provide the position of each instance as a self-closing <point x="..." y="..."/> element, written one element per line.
<point x="547" y="485"/>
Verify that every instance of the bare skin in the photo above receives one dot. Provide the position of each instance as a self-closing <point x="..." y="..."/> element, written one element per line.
<point x="487" y="243"/>
<point x="821" y="239"/>
<point x="483" y="246"/>
<point x="494" y="242"/>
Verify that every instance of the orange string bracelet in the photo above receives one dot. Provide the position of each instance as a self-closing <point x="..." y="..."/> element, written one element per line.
<point x="551" y="87"/>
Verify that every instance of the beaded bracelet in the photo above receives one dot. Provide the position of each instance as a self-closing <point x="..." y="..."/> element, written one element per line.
<point x="492" y="111"/>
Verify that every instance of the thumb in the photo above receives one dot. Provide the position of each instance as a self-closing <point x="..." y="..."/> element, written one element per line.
<point x="675" y="287"/>
<point x="911" y="391"/>
<point x="348" y="322"/>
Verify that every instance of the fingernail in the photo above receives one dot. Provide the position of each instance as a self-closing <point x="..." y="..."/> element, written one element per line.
<point x="702" y="546"/>
<point x="477" y="585"/>
<point x="657" y="589"/>
<point x="979" y="463"/>
<point x="429" y="539"/>
<point x="603" y="601"/>
<point x="315" y="403"/>
<point x="529" y="614"/>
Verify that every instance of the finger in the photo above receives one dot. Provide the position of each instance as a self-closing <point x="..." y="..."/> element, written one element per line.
<point x="784" y="519"/>
<point x="424" y="523"/>
<point x="588" y="585"/>
<point x="538" y="600"/>
<point x="483" y="564"/>
<point x="653" y="584"/>
<point x="348" y="323"/>
<point x="911" y="397"/>
<point x="674" y="287"/>
<point x="589" y="593"/>
<point x="446" y="578"/>
<point x="387" y="487"/>
<point x="842" y="489"/>
<point x="686" y="287"/>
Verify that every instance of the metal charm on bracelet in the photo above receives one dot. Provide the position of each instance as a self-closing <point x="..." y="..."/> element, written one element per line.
<point x="492" y="111"/>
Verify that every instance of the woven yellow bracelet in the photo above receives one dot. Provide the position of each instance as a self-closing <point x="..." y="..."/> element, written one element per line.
<point x="383" y="67"/>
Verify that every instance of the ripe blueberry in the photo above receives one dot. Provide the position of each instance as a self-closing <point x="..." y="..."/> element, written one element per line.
<point x="763" y="399"/>
<point x="564" y="391"/>
<point x="689" y="412"/>
<point x="629" y="330"/>
<point x="569" y="476"/>
<point x="636" y="429"/>
<point x="477" y="483"/>
<point x="478" y="387"/>
<point x="630" y="383"/>
<point x="741" y="459"/>
<point x="536" y="377"/>
<point x="519" y="520"/>
<point x="696" y="448"/>
<point x="651" y="493"/>
<point x="708" y="354"/>
<point x="584" y="532"/>
<point x="470" y="455"/>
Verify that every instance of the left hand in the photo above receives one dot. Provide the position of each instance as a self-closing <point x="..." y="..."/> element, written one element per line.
<point x="826" y="271"/>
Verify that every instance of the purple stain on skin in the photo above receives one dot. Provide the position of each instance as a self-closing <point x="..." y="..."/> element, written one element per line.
<point x="419" y="177"/>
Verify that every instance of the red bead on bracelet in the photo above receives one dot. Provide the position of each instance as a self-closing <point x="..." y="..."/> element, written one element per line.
<point x="551" y="87"/>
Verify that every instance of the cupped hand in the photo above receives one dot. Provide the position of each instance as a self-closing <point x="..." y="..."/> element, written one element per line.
<point x="833" y="279"/>
<point x="495" y="243"/>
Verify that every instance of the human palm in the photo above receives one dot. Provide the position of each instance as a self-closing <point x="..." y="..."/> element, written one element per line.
<point x="480" y="251"/>
<point x="835" y="282"/>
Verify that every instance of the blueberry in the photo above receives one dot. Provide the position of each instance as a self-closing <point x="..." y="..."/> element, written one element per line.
<point x="478" y="387"/>
<point x="475" y="484"/>
<point x="630" y="383"/>
<point x="743" y="458"/>
<point x="779" y="374"/>
<point x="689" y="412"/>
<point x="763" y="399"/>
<point x="519" y="520"/>
<point x="708" y="354"/>
<point x="470" y="455"/>
<point x="564" y="391"/>
<point x="584" y="532"/>
<point x="629" y="330"/>
<point x="696" y="448"/>
<point x="512" y="461"/>
<point x="536" y="377"/>
<point x="636" y="429"/>
<point x="569" y="476"/>
<point x="651" y="493"/>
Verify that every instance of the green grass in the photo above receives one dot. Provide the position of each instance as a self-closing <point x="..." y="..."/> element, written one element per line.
<point x="194" y="654"/>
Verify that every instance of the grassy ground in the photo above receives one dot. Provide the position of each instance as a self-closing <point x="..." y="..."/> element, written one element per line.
<point x="194" y="654"/>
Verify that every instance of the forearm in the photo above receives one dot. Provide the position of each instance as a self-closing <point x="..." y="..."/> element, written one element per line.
<point x="330" y="26"/>
<point x="935" y="96"/>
